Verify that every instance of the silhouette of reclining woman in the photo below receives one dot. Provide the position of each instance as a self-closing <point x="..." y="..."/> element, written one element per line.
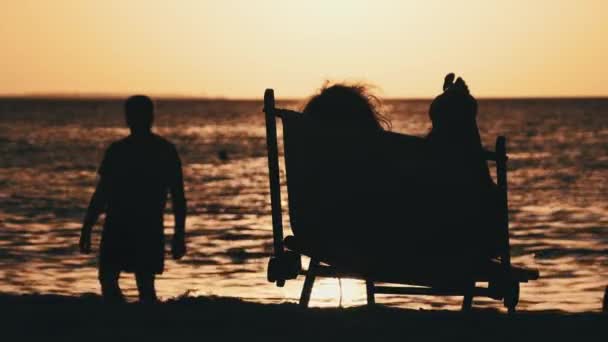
<point x="465" y="190"/>
<point x="366" y="198"/>
<point x="136" y="174"/>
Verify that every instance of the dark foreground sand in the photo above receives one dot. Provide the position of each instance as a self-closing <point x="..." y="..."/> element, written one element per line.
<point x="57" y="318"/>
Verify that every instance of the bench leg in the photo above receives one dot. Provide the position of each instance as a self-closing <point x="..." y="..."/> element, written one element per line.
<point x="308" y="283"/>
<point x="371" y="292"/>
<point x="511" y="296"/>
<point x="467" y="302"/>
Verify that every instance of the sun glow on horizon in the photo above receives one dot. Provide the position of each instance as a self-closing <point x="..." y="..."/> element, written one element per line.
<point x="237" y="48"/>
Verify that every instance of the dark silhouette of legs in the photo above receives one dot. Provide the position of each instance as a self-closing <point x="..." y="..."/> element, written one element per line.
<point x="605" y="306"/>
<point x="145" y="287"/>
<point x="111" y="292"/>
<point x="109" y="286"/>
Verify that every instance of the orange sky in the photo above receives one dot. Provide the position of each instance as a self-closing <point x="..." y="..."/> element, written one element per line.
<point x="236" y="49"/>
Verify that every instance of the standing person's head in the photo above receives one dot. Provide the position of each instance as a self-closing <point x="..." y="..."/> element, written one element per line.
<point x="350" y="106"/>
<point x="139" y="112"/>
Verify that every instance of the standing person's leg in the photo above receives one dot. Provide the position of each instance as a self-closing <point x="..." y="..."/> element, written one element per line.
<point x="110" y="289"/>
<point x="605" y="307"/>
<point x="145" y="287"/>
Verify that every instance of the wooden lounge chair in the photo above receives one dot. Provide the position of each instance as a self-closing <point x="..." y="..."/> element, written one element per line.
<point x="285" y="263"/>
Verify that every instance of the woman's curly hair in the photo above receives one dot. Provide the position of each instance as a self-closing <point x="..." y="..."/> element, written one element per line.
<point x="343" y="104"/>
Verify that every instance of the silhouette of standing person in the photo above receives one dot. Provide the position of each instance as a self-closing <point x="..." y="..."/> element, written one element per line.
<point x="136" y="175"/>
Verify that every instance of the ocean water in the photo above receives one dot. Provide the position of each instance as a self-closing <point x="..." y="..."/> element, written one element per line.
<point x="50" y="150"/>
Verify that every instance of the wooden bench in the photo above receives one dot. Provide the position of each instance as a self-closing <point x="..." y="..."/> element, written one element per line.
<point x="285" y="263"/>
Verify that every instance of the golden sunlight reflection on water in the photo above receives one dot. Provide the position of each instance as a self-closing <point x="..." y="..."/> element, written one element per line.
<point x="559" y="207"/>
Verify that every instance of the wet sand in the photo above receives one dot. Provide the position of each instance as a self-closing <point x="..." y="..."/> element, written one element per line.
<point x="61" y="318"/>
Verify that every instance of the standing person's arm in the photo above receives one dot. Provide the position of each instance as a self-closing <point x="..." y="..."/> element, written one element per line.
<point x="178" y="199"/>
<point x="96" y="207"/>
<point x="99" y="201"/>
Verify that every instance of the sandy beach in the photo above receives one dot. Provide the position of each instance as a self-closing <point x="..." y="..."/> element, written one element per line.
<point x="62" y="318"/>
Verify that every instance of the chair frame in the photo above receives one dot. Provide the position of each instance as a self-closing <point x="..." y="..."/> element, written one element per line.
<point x="509" y="292"/>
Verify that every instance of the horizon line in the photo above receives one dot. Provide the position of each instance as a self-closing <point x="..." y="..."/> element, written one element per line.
<point x="167" y="96"/>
